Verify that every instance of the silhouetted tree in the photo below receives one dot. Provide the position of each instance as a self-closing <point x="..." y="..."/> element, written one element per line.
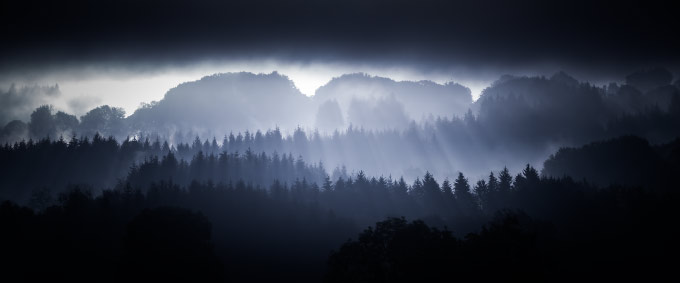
<point x="464" y="198"/>
<point x="483" y="194"/>
<point x="42" y="122"/>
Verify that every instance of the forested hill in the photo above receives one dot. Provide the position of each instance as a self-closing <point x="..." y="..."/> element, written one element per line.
<point x="28" y="167"/>
<point x="375" y="102"/>
<point x="626" y="160"/>
<point x="227" y="102"/>
<point x="546" y="228"/>
<point x="517" y="120"/>
<point x="342" y="141"/>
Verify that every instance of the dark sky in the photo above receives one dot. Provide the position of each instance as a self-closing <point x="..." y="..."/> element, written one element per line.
<point x="588" y="36"/>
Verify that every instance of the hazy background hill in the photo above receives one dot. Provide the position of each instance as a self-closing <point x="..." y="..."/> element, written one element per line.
<point x="226" y="102"/>
<point x="376" y="102"/>
<point x="385" y="127"/>
<point x="232" y="102"/>
<point x="561" y="109"/>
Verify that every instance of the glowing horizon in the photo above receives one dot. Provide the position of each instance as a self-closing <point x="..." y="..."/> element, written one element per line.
<point x="92" y="87"/>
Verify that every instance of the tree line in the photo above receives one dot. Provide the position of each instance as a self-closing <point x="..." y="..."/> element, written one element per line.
<point x="547" y="228"/>
<point x="165" y="210"/>
<point x="517" y="120"/>
<point x="34" y="166"/>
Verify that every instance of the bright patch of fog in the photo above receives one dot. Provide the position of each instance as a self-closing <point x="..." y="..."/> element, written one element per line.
<point x="84" y="88"/>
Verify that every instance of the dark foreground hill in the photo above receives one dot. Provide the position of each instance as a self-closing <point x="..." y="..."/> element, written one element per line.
<point x="627" y="160"/>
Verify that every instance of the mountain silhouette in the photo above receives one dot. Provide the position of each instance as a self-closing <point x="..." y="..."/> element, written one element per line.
<point x="226" y="102"/>
<point x="418" y="99"/>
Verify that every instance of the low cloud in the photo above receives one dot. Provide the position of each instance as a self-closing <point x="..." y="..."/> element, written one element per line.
<point x="79" y="105"/>
<point x="18" y="102"/>
<point x="589" y="39"/>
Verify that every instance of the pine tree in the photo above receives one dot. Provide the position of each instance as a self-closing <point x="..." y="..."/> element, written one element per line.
<point x="493" y="183"/>
<point x="464" y="198"/>
<point x="527" y="179"/>
<point x="446" y="188"/>
<point x="505" y="181"/>
<point x="531" y="174"/>
<point x="489" y="199"/>
<point x="417" y="188"/>
<point x="166" y="148"/>
<point x="430" y="185"/>
<point x="340" y="185"/>
<point x="401" y="188"/>
<point x="461" y="187"/>
<point x="327" y="184"/>
<point x="519" y="183"/>
<point x="482" y="192"/>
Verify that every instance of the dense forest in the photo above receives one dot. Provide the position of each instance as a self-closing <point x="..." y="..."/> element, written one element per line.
<point x="515" y="188"/>
<point x="216" y="216"/>
<point x="103" y="162"/>
<point x="339" y="141"/>
<point x="516" y="120"/>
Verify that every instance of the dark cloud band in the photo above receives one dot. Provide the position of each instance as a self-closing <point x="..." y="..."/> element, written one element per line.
<point x="588" y="35"/>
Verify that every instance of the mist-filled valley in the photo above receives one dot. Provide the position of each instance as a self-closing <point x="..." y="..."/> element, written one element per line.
<point x="379" y="126"/>
<point x="258" y="173"/>
<point x="339" y="141"/>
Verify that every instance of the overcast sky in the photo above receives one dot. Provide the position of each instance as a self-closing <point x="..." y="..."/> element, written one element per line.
<point x="127" y="52"/>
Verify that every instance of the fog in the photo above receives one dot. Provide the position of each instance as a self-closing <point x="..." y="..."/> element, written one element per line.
<point x="386" y="127"/>
<point x="338" y="140"/>
<point x="18" y="103"/>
